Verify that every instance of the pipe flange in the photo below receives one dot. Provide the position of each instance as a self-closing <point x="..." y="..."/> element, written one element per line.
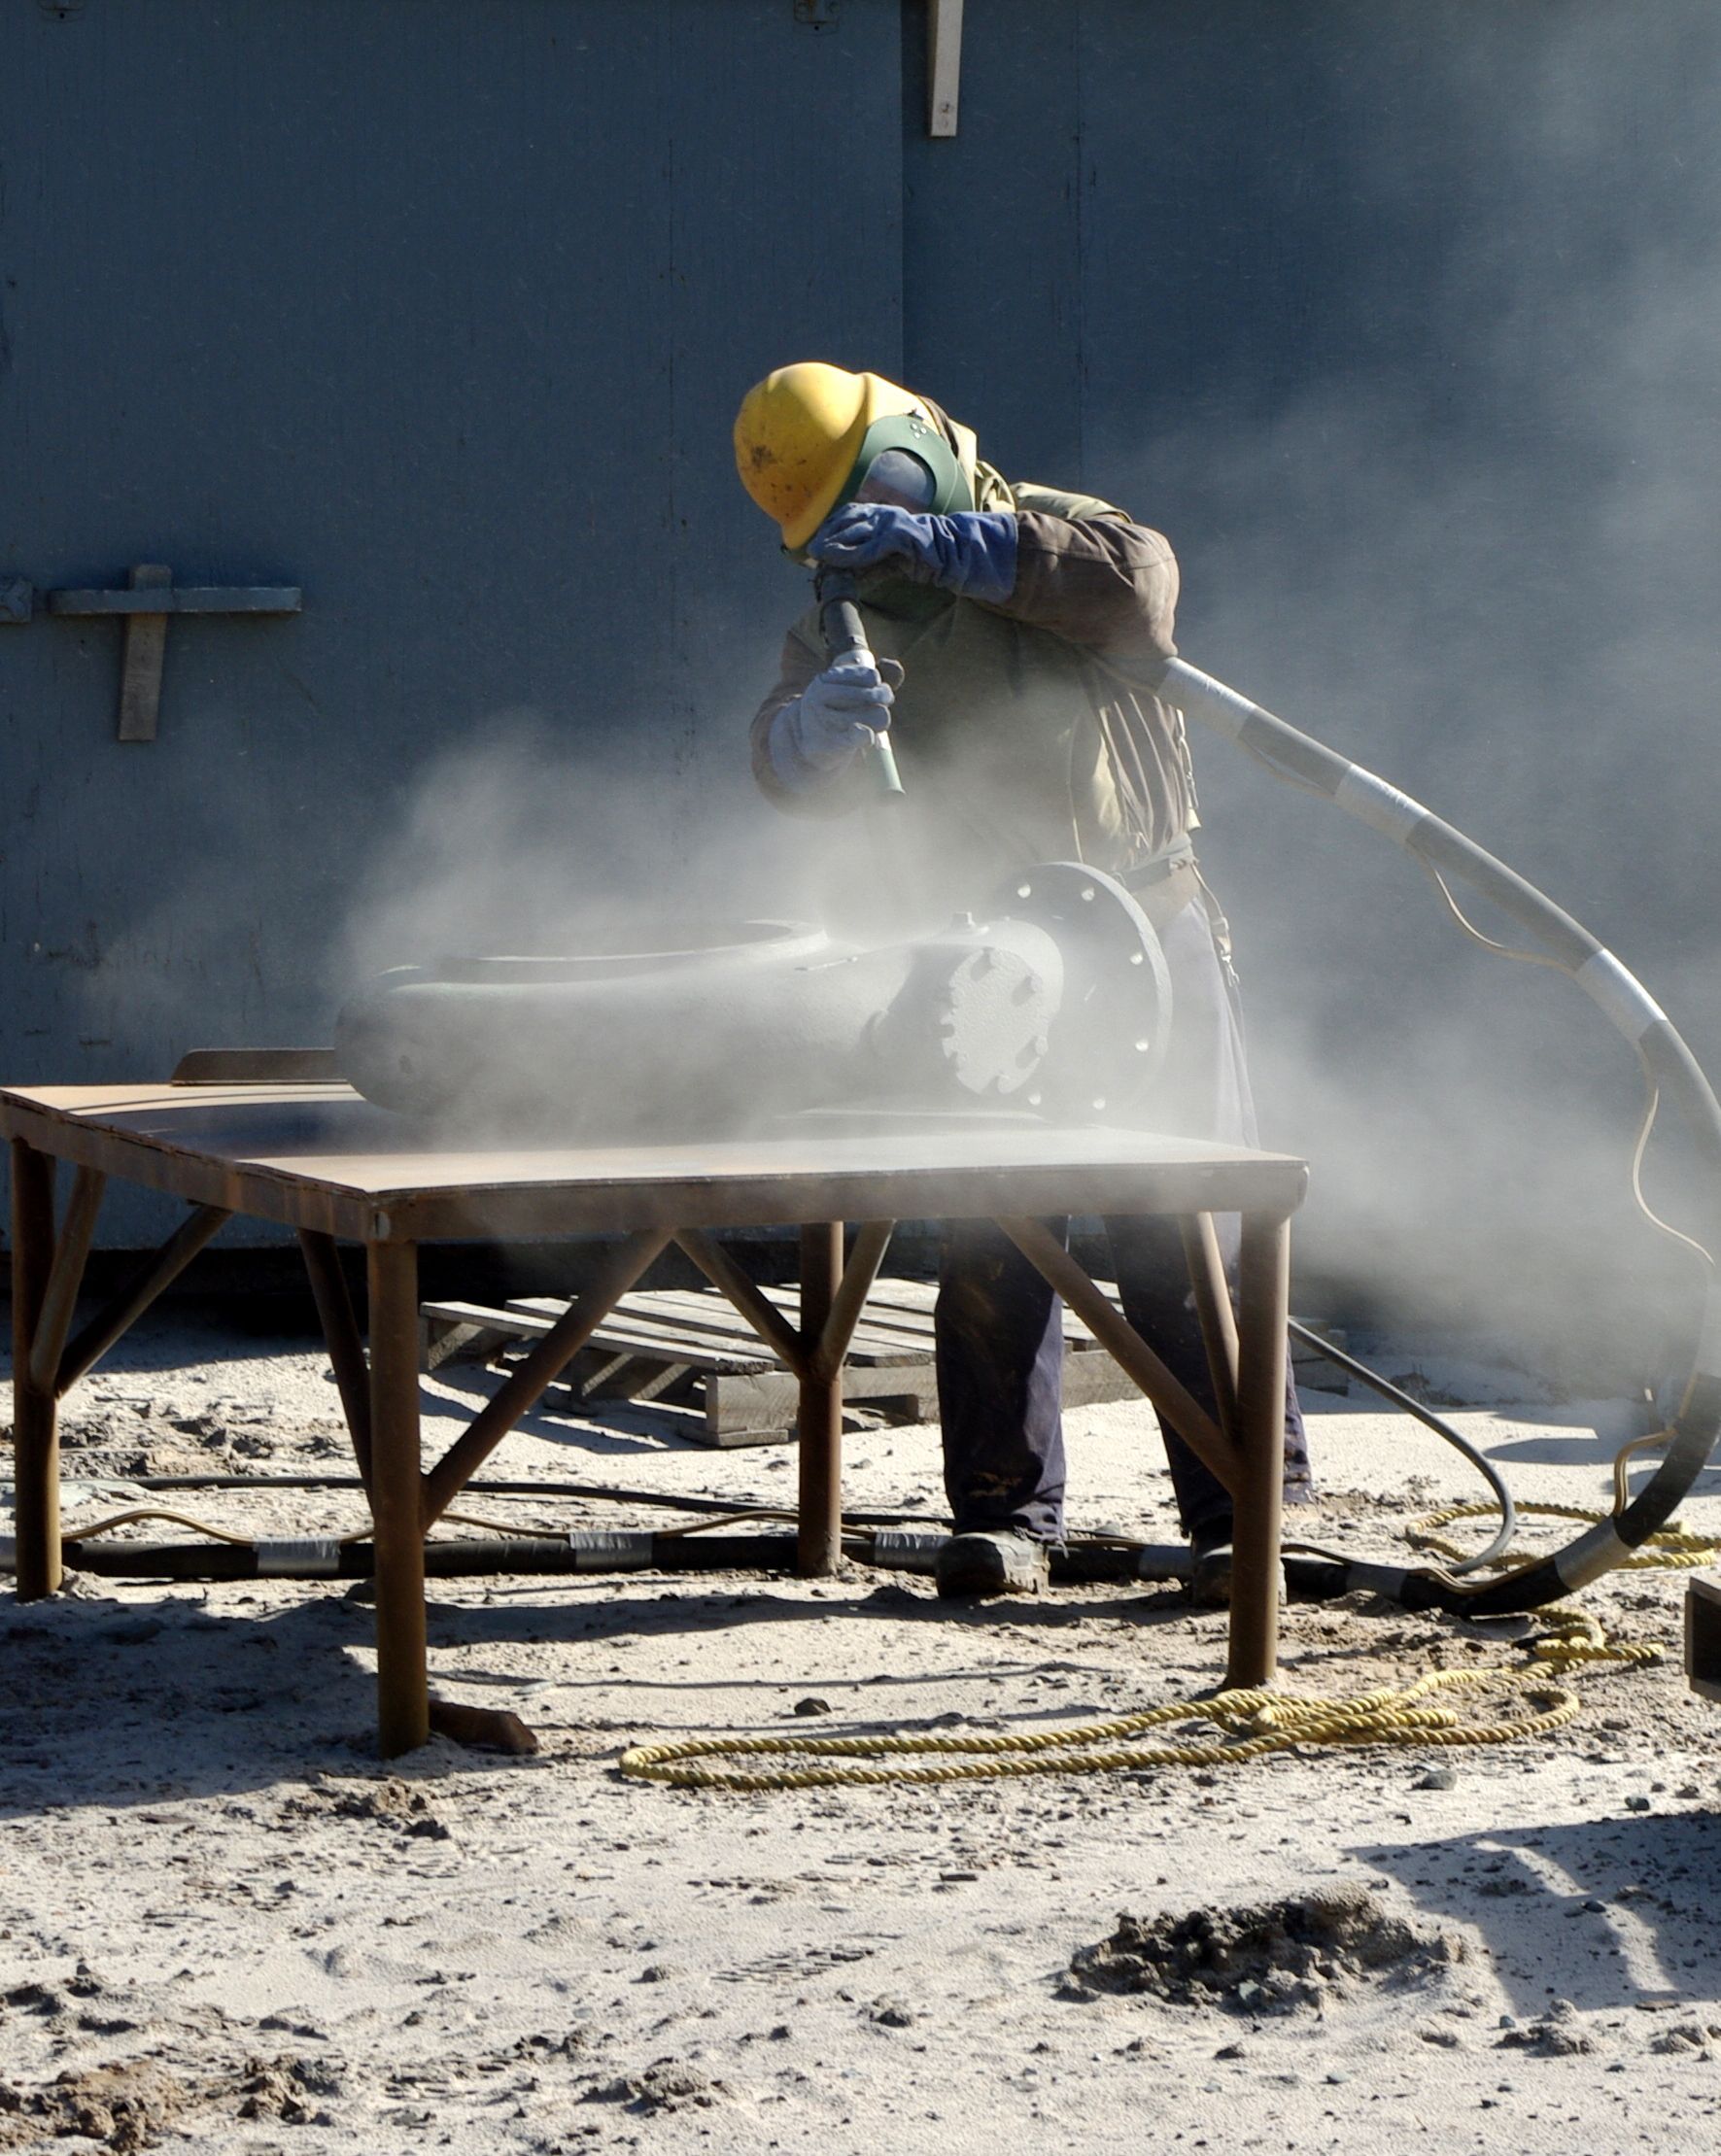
<point x="1107" y="1044"/>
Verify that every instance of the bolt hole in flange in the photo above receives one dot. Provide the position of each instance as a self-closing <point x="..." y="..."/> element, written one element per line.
<point x="1108" y="1042"/>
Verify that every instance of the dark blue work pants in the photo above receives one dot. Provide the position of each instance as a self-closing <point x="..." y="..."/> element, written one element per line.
<point x="1000" y="1326"/>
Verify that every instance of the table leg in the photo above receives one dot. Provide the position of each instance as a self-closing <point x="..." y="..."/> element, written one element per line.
<point x="403" y="1712"/>
<point x="1213" y="1306"/>
<point x="152" y="1278"/>
<point x="1263" y="1296"/>
<point x="1173" y="1402"/>
<point x="821" y="1419"/>
<point x="35" y="1412"/>
<point x="341" y="1336"/>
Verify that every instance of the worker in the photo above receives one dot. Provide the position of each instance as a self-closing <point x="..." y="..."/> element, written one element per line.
<point x="1018" y="631"/>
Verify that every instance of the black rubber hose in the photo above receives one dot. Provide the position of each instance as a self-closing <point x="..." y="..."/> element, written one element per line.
<point x="499" y="1557"/>
<point x="1669" y="1066"/>
<point x="602" y="1493"/>
<point x="845" y="645"/>
<point x="1479" y="1460"/>
<point x="504" y="1557"/>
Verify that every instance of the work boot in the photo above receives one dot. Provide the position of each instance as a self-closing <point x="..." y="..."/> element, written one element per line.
<point x="1000" y="1562"/>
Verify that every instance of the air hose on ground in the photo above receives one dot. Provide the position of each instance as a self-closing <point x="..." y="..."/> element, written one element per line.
<point x="1670" y="1072"/>
<point x="1478" y="1460"/>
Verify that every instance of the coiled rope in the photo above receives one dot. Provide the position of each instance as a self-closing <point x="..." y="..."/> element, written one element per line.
<point x="1576" y="1637"/>
<point x="1668" y="1548"/>
<point x="1258" y="1723"/>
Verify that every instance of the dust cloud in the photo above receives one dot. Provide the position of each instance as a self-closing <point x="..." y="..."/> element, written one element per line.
<point x="1475" y="551"/>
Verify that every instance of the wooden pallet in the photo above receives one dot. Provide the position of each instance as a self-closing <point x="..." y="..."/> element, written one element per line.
<point x="690" y="1347"/>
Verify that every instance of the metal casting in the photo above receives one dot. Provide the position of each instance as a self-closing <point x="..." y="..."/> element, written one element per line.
<point x="1056" y="1002"/>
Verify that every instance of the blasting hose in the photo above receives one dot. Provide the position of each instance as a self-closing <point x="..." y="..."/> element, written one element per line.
<point x="1670" y="1072"/>
<point x="845" y="645"/>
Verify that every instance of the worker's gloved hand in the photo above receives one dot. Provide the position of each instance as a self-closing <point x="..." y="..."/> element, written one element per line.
<point x="970" y="554"/>
<point x="839" y="713"/>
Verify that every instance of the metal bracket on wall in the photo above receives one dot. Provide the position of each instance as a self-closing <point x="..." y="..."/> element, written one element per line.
<point x="144" y="604"/>
<point x="944" y="54"/>
<point x="943" y="65"/>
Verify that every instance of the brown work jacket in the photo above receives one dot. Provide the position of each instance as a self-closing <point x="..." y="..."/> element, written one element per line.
<point x="1026" y="731"/>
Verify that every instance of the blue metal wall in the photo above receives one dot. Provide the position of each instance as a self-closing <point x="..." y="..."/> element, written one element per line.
<point x="441" y="311"/>
<point x="1396" y="315"/>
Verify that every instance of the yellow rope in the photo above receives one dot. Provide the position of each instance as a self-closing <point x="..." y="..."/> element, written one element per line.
<point x="1672" y="1548"/>
<point x="1577" y="1637"/>
<point x="1258" y="1723"/>
<point x="1255" y="1722"/>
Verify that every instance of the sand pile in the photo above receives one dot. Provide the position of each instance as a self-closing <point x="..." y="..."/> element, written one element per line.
<point x="1267" y="1957"/>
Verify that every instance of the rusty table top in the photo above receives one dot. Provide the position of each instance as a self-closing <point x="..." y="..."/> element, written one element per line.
<point x="318" y="1156"/>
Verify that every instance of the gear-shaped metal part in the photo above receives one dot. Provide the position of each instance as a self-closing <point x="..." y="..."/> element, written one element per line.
<point x="1108" y="1041"/>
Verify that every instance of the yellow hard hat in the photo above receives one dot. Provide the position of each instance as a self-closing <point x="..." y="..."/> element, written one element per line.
<point x="797" y="436"/>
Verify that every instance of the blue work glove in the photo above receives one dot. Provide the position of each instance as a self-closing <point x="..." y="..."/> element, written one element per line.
<point x="969" y="554"/>
<point x="839" y="713"/>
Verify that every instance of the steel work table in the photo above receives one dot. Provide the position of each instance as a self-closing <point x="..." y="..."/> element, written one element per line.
<point x="318" y="1159"/>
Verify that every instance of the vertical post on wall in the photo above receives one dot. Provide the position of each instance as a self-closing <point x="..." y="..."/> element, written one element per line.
<point x="943" y="65"/>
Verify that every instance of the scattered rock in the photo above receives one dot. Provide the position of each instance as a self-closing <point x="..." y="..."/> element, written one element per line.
<point x="662" y="2086"/>
<point x="1557" y="2034"/>
<point x="813" y="1705"/>
<point x="569" y="2044"/>
<point x="1268" y="1957"/>
<point x="1685" y="2039"/>
<point x="1438" y="1777"/>
<point x="891" y="2014"/>
<point x="125" y="2107"/>
<point x="391" y="1803"/>
<point x="286" y="2088"/>
<point x="36" y="1998"/>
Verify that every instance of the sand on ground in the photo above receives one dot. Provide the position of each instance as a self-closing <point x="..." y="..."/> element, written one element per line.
<point x="225" y="1923"/>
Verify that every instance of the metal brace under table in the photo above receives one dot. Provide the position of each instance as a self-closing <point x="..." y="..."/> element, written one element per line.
<point x="318" y="1159"/>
